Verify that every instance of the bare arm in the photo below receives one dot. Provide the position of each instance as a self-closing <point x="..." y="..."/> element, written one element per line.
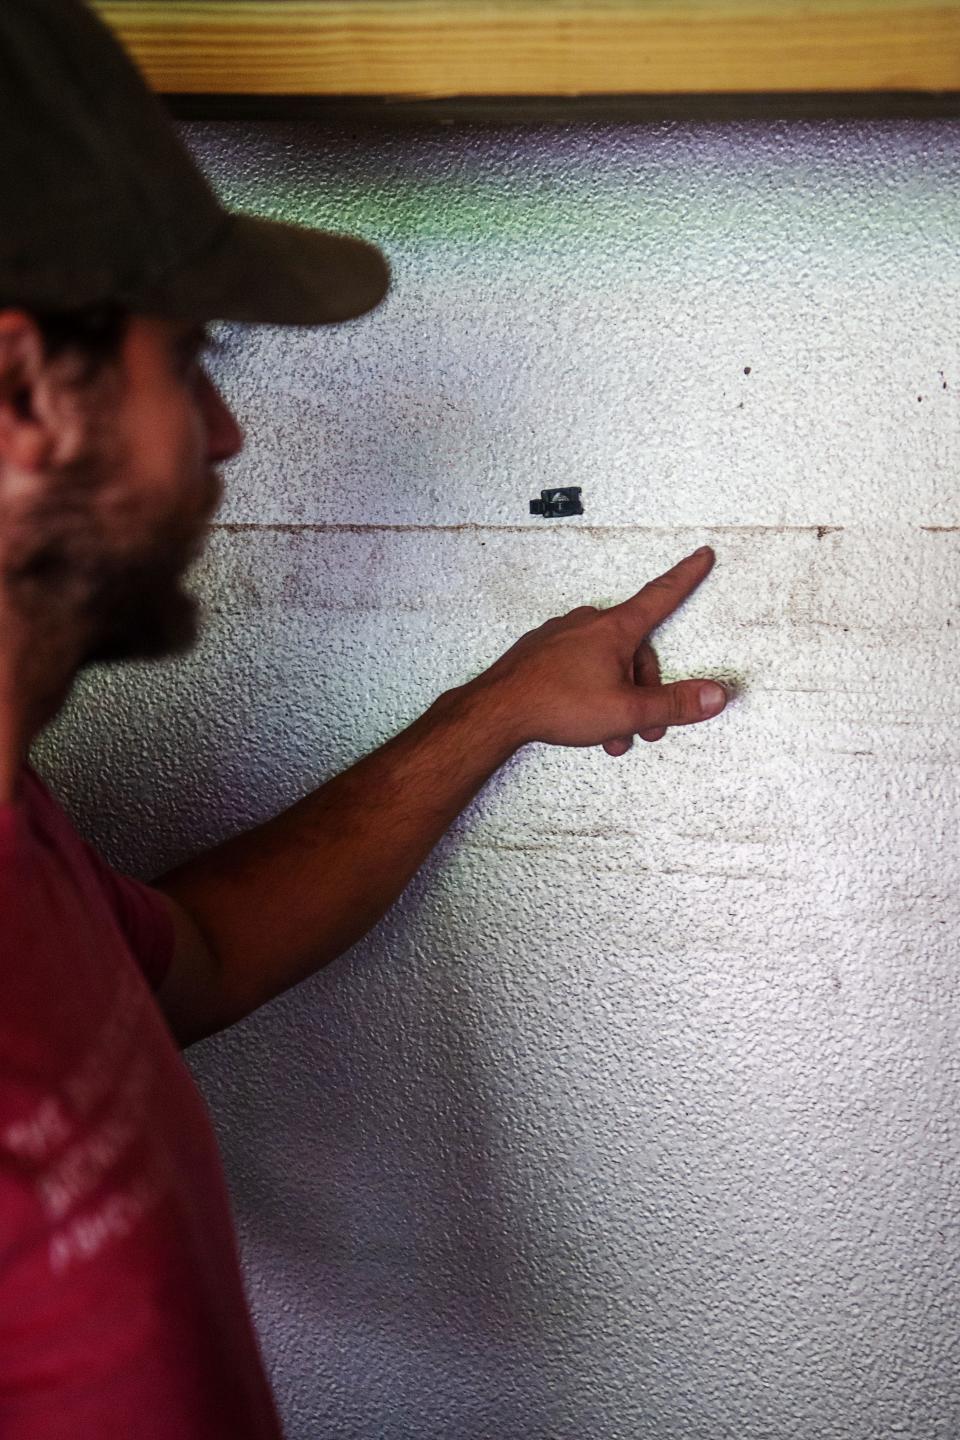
<point x="264" y="910"/>
<point x="277" y="903"/>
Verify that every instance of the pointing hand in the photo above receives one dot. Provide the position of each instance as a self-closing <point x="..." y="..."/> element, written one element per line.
<point x="592" y="678"/>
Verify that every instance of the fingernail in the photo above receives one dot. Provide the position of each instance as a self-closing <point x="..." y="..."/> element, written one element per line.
<point x="704" y="550"/>
<point x="713" y="697"/>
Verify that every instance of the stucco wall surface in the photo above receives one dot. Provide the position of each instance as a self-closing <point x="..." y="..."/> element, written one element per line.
<point x="638" y="1115"/>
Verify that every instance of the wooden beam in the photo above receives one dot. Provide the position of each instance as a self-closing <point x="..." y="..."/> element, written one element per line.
<point x="424" y="48"/>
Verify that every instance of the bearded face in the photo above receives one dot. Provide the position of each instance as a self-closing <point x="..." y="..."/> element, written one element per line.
<point x="119" y="579"/>
<point x="137" y="606"/>
<point x="101" y="539"/>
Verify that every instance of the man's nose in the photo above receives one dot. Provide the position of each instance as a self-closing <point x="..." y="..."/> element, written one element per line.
<point x="224" y="435"/>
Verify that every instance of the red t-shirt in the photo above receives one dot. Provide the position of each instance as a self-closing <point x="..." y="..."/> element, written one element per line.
<point x="122" y="1310"/>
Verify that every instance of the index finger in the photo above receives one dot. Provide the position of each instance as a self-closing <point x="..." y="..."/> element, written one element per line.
<point x="659" y="598"/>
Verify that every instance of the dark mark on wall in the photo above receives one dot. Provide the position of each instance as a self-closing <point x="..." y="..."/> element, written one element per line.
<point x="556" y="504"/>
<point x="747" y="369"/>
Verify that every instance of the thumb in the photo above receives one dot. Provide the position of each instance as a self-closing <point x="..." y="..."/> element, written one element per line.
<point x="682" y="703"/>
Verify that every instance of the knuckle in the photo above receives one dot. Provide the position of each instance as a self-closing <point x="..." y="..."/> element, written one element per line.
<point x="659" y="597"/>
<point x="660" y="586"/>
<point x="676" y="706"/>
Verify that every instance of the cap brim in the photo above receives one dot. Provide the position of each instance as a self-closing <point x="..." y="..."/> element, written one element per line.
<point x="270" y="273"/>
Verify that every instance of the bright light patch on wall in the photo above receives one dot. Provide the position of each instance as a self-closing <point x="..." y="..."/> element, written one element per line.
<point x="776" y="187"/>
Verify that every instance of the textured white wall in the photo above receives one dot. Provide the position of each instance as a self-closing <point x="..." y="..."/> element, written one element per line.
<point x="638" y="1116"/>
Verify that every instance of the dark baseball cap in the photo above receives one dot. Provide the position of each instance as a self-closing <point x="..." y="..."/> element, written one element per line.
<point x="100" y="201"/>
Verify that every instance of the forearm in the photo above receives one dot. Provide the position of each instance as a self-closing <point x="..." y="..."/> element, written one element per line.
<point x="284" y="899"/>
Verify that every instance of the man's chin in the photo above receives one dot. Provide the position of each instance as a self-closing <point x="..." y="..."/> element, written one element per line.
<point x="146" y="627"/>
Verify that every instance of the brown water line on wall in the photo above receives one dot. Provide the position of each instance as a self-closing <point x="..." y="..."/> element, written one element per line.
<point x="469" y="527"/>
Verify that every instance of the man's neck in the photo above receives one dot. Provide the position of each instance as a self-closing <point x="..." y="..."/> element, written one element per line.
<point x="13" y="751"/>
<point x="36" y="673"/>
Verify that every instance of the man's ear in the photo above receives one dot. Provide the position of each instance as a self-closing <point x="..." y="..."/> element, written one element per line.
<point x="26" y="438"/>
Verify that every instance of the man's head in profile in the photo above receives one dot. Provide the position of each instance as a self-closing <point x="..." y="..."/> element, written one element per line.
<point x="108" y="477"/>
<point x="114" y="256"/>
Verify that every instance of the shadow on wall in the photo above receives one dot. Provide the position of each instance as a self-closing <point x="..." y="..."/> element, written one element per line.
<point x="360" y="1116"/>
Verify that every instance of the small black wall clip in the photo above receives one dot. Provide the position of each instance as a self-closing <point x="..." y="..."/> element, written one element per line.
<point x="555" y="504"/>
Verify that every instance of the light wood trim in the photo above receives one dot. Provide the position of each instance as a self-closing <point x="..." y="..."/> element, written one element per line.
<point x="423" y="48"/>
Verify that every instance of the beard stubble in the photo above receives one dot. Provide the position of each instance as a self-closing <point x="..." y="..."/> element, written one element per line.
<point x="118" y="587"/>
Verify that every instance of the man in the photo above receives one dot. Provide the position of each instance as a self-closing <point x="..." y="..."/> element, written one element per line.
<point x="121" y="1304"/>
